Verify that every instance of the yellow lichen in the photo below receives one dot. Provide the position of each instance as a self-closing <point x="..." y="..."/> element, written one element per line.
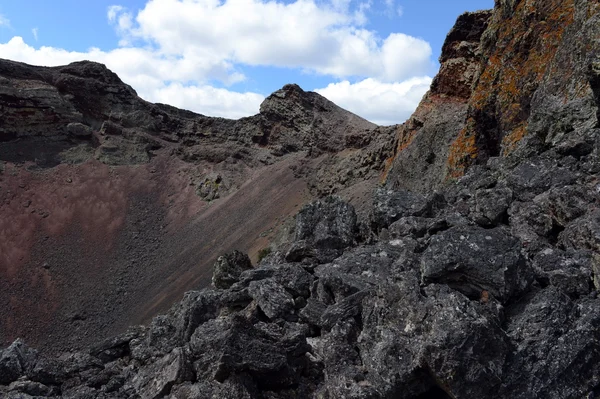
<point x="522" y="55"/>
<point x="510" y="141"/>
<point x="462" y="152"/>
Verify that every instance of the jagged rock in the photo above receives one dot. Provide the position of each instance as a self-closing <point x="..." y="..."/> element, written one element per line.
<point x="475" y="260"/>
<point x="323" y="229"/>
<point x="228" y="269"/>
<point x="546" y="325"/>
<point x="292" y="277"/>
<point x="273" y="356"/>
<point x="15" y="361"/>
<point x="536" y="176"/>
<point x="569" y="271"/>
<point x="391" y="205"/>
<point x="114" y="348"/>
<point x="491" y="205"/>
<point x="79" y="130"/>
<point x="424" y="157"/>
<point x="157" y="379"/>
<point x="31" y="388"/>
<point x="271" y="298"/>
<point x="175" y="329"/>
<point x="566" y="203"/>
<point x="291" y="124"/>
<point x="583" y="233"/>
<point x="531" y="224"/>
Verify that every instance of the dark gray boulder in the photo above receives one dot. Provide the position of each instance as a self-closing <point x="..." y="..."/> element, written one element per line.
<point x="227" y="269"/>
<point x="473" y="260"/>
<point x="274" y="356"/>
<point x="569" y="271"/>
<point x="15" y="361"/>
<point x="323" y="229"/>
<point x="583" y="233"/>
<point x="272" y="298"/>
<point x="391" y="205"/>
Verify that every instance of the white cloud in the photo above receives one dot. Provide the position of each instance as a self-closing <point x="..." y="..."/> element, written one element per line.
<point x="209" y="100"/>
<point x="302" y="34"/>
<point x="112" y="12"/>
<point x="35" y="33"/>
<point x="400" y="11"/>
<point x="379" y="102"/>
<point x="122" y="20"/>
<point x="4" y="21"/>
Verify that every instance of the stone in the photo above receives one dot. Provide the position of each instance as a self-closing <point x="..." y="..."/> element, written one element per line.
<point x="157" y="379"/>
<point x="391" y="205"/>
<point x="272" y="298"/>
<point x="491" y="205"/>
<point x="583" y="233"/>
<point x="15" y="361"/>
<point x="473" y="260"/>
<point x="323" y="229"/>
<point x="228" y="268"/>
<point x="570" y="271"/>
<point x="79" y="130"/>
<point x="271" y="355"/>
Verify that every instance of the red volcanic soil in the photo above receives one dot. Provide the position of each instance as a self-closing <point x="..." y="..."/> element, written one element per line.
<point x="88" y="250"/>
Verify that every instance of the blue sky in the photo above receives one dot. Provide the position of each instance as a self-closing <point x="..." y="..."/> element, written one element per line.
<point x="222" y="57"/>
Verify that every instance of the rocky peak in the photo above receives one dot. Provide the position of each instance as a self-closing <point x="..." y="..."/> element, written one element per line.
<point x="92" y="70"/>
<point x="420" y="162"/>
<point x="458" y="68"/>
<point x="295" y="119"/>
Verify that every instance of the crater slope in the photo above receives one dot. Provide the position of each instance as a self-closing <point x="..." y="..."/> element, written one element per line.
<point x="112" y="207"/>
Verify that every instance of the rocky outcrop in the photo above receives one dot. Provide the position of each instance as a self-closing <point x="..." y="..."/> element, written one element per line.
<point x="526" y="77"/>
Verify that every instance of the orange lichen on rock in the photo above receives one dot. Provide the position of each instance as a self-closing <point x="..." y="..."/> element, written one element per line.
<point x="462" y="152"/>
<point x="519" y="54"/>
<point x="510" y="141"/>
<point x="405" y="134"/>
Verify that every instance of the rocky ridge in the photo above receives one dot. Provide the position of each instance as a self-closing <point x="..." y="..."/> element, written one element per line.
<point x="484" y="285"/>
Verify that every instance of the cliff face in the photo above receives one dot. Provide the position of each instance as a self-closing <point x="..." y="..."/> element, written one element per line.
<point x="528" y="73"/>
<point x="475" y="274"/>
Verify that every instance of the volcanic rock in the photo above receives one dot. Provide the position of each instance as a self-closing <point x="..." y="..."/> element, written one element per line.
<point x="472" y="273"/>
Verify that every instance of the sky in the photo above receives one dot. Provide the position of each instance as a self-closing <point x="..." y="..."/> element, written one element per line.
<point x="375" y="58"/>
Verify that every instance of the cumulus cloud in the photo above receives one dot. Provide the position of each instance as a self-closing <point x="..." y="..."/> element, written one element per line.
<point x="209" y="100"/>
<point x="328" y="40"/>
<point x="379" y="102"/>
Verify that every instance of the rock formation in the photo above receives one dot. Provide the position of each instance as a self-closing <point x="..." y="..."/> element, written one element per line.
<point x="475" y="273"/>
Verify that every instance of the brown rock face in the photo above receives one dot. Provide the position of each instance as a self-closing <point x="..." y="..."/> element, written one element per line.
<point x="420" y="160"/>
<point x="112" y="207"/>
<point x="521" y="71"/>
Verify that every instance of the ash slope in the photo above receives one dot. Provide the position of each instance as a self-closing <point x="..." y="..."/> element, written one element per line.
<point x="484" y="285"/>
<point x="112" y="207"/>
